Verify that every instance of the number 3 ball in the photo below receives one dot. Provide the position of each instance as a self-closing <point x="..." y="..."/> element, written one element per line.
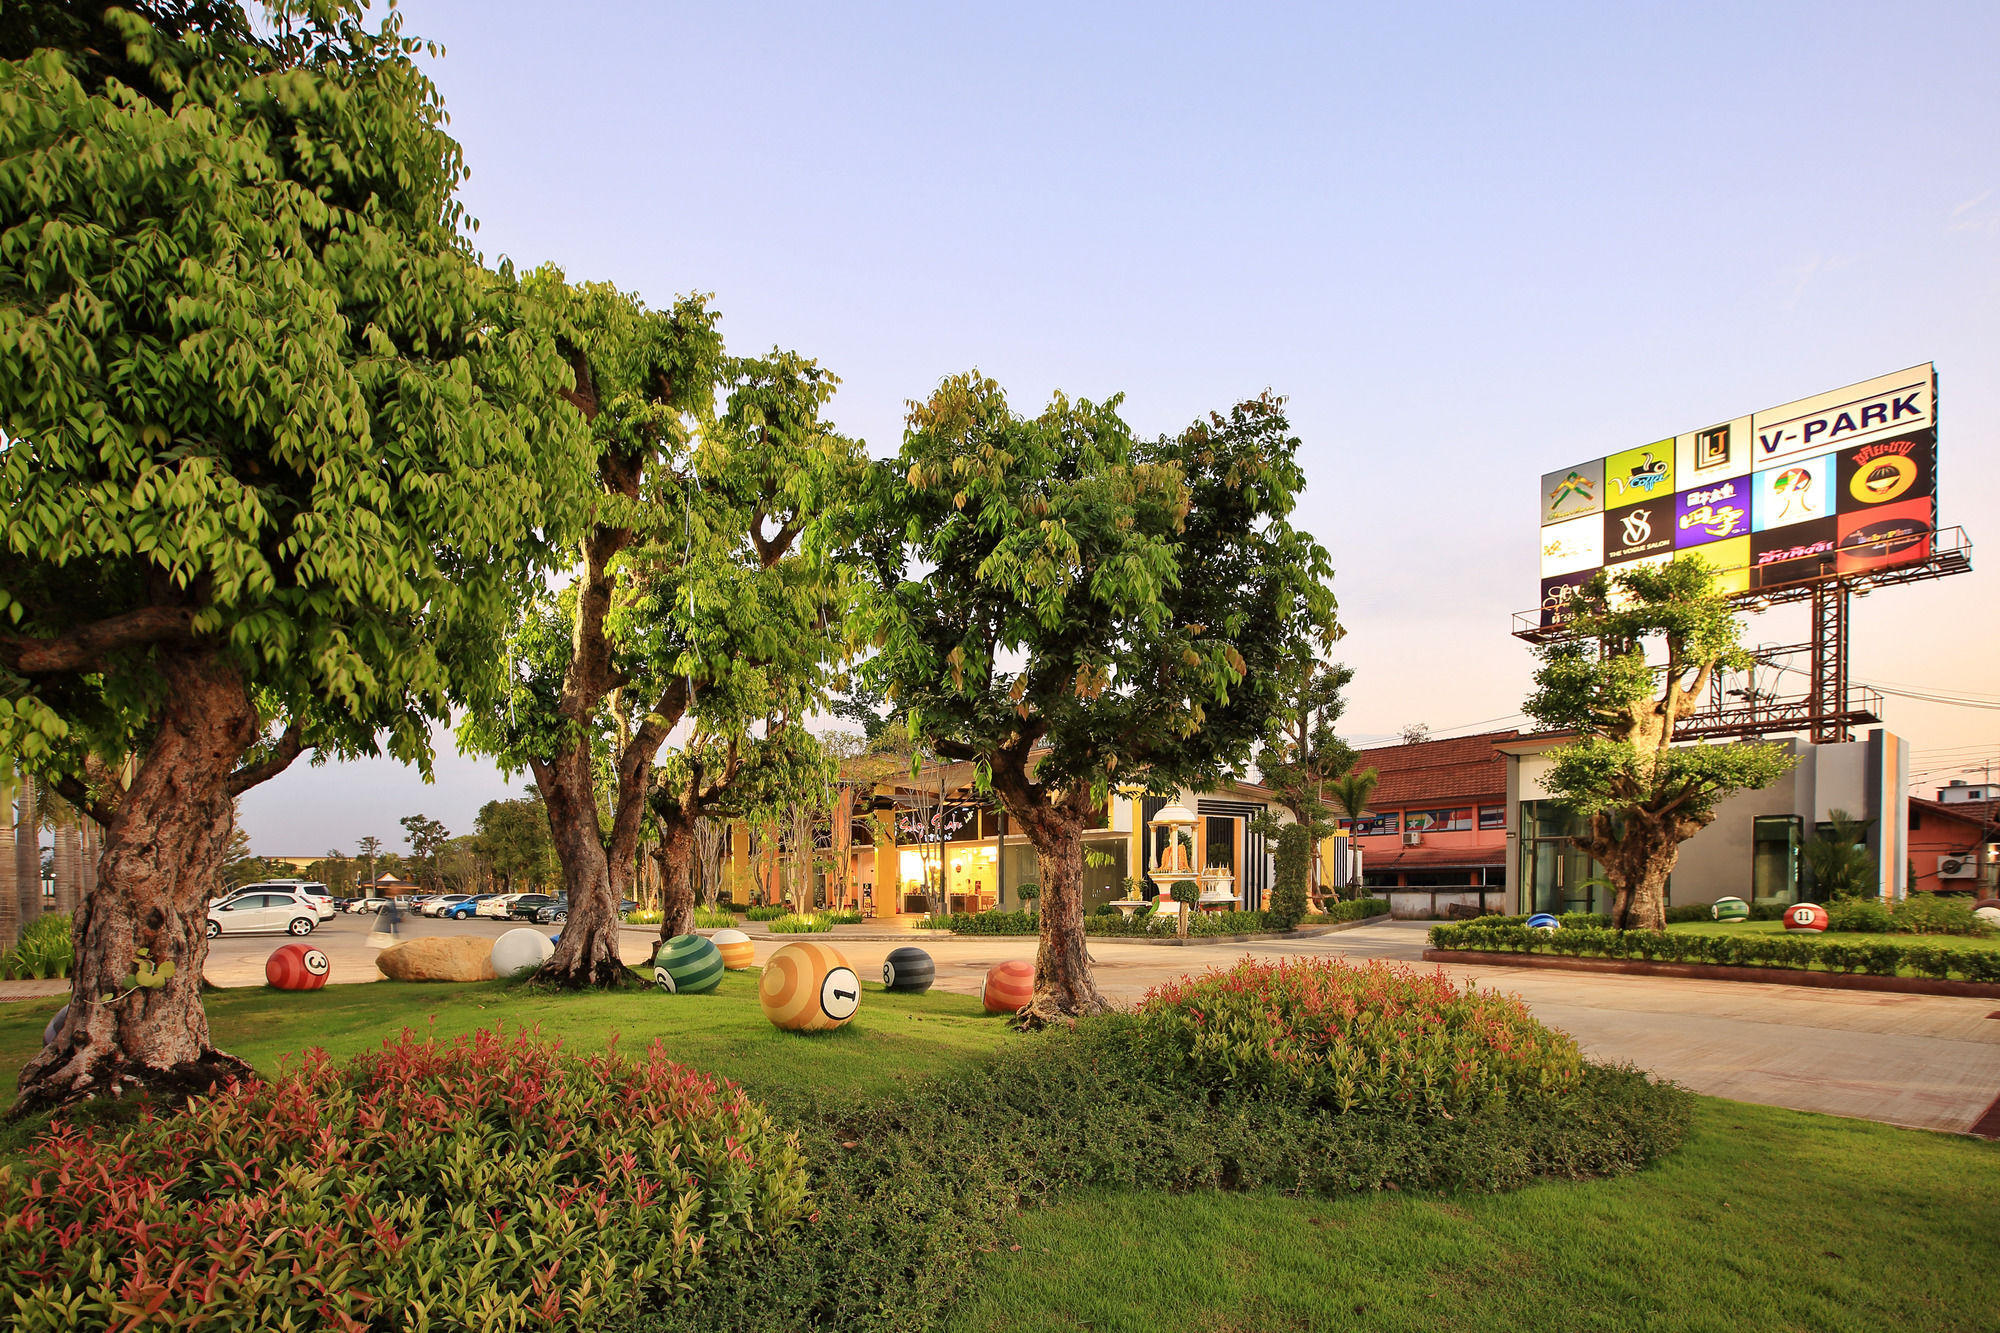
<point x="908" y="969"/>
<point x="1805" y="916"/>
<point x="808" y="987"/>
<point x="737" y="951"/>
<point x="297" y="967"/>
<point x="687" y="965"/>
<point x="1008" y="986"/>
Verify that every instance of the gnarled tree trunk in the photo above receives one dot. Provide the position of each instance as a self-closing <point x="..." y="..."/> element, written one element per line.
<point x="163" y="849"/>
<point x="675" y="857"/>
<point x="1064" y="987"/>
<point x="1638" y="862"/>
<point x="587" y="954"/>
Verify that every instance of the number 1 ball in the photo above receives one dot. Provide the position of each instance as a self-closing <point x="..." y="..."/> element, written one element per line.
<point x="1806" y="916"/>
<point x="297" y="967"/>
<point x="1008" y="987"/>
<point x="808" y="987"/>
<point x="909" y="970"/>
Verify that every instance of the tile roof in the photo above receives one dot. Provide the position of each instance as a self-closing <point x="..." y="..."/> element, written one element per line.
<point x="1460" y="770"/>
<point x="1435" y="858"/>
<point x="1982" y="814"/>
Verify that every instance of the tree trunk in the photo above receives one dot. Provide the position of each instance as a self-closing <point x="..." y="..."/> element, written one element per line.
<point x="675" y="857"/>
<point x="163" y="849"/>
<point x="10" y="893"/>
<point x="69" y="864"/>
<point x="1638" y="863"/>
<point x="587" y="954"/>
<point x="28" y="853"/>
<point x="1064" y="988"/>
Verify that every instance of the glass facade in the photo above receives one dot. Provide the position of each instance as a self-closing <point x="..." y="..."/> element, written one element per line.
<point x="1774" y="858"/>
<point x="1553" y="872"/>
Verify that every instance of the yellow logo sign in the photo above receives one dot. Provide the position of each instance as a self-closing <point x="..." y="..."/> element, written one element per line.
<point x="1882" y="479"/>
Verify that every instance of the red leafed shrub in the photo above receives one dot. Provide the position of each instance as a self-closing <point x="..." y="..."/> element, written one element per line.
<point x="493" y="1183"/>
<point x="1379" y="1038"/>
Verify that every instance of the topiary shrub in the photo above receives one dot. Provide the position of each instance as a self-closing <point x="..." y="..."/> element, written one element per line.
<point x="1933" y="914"/>
<point x="1865" y="916"/>
<point x="1288" y="887"/>
<point x="492" y="1183"/>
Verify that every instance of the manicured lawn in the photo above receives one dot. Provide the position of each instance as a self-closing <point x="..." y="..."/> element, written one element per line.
<point x="1765" y="1219"/>
<point x="1843" y="936"/>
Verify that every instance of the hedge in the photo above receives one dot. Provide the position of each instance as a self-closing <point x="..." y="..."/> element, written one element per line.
<point x="1877" y="958"/>
<point x="1143" y="927"/>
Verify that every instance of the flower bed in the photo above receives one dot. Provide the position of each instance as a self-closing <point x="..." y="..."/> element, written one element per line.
<point x="1880" y="958"/>
<point x="491" y="1183"/>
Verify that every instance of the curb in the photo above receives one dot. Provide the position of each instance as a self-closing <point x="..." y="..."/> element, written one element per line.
<point x="1768" y="976"/>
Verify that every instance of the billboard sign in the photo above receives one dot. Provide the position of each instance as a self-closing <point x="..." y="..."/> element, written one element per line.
<point x="1842" y="482"/>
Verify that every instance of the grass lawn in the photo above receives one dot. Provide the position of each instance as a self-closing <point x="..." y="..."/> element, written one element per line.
<point x="1843" y="936"/>
<point x="1765" y="1219"/>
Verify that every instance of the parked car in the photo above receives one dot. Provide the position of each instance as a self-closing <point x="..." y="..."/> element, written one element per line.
<point x="526" y="905"/>
<point x="554" y="912"/>
<point x="276" y="911"/>
<point x="322" y="900"/>
<point x="436" y="905"/>
<point x="495" y="905"/>
<point x="469" y="908"/>
<point x="362" y="905"/>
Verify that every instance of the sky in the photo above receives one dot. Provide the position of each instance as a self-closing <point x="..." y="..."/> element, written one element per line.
<point x="1470" y="244"/>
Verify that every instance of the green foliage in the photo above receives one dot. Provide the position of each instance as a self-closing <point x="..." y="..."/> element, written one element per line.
<point x="260" y="401"/>
<point x="1028" y="892"/>
<point x="1838" y="864"/>
<point x="719" y="919"/>
<point x="767" y="912"/>
<point x="491" y="1183"/>
<point x="1747" y="950"/>
<point x="792" y="924"/>
<point x="1935" y="914"/>
<point x="1184" y="891"/>
<point x="427" y="838"/>
<point x="1862" y="916"/>
<point x="849" y="917"/>
<point x="1299" y="756"/>
<point x="1288" y="890"/>
<point x="45" y="950"/>
<point x="513" y="836"/>
<point x="1353" y="909"/>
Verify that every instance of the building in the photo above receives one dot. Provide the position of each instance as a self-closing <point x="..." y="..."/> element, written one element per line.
<point x="1955" y="841"/>
<point x="1752" y="849"/>
<point x="1434" y="836"/>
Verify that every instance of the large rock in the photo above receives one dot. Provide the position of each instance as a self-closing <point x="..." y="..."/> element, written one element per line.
<point x="438" y="958"/>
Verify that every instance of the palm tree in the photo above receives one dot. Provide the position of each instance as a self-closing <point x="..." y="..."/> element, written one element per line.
<point x="1352" y="794"/>
<point x="10" y="901"/>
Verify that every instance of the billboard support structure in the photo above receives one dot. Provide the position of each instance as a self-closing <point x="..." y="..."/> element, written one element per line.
<point x="1829" y="662"/>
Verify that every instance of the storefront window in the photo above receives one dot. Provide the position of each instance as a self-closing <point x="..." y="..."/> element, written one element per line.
<point x="1492" y="816"/>
<point x="1437" y="821"/>
<point x="1554" y="874"/>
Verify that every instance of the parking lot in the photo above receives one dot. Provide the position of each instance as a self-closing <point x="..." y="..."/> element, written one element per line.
<point x="238" y="960"/>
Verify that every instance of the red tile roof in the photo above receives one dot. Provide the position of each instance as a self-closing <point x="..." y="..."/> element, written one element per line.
<point x="1458" y="771"/>
<point x="1435" y="858"/>
<point x="1978" y="814"/>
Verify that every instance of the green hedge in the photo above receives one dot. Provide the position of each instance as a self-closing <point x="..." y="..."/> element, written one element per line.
<point x="1354" y="909"/>
<point x="1142" y="927"/>
<point x="1874" y="958"/>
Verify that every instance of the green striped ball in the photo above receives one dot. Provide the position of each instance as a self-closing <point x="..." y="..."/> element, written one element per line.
<point x="687" y="965"/>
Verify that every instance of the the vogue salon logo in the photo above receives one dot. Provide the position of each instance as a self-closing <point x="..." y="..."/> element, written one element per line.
<point x="1638" y="527"/>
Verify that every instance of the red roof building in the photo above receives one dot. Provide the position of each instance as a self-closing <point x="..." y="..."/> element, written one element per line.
<point x="1438" y="820"/>
<point x="1954" y="845"/>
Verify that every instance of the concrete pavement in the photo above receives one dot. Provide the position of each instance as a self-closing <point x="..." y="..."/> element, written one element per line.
<point x="1931" y="1062"/>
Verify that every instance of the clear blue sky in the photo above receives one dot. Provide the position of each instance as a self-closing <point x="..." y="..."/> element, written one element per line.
<point x="1471" y="244"/>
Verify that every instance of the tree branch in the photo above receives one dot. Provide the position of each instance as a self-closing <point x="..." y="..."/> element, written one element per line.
<point x="81" y="649"/>
<point x="281" y="757"/>
<point x="74" y="791"/>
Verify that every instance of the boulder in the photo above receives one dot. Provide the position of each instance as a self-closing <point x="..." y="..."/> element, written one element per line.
<point x="439" y="958"/>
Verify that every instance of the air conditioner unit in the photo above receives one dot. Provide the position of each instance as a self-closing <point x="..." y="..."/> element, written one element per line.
<point x="1413" y="839"/>
<point x="1962" y="866"/>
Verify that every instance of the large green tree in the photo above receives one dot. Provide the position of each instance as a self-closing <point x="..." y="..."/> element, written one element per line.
<point x="1300" y="757"/>
<point x="1069" y="606"/>
<point x="266" y="474"/>
<point x="704" y="560"/>
<point x="1636" y="659"/>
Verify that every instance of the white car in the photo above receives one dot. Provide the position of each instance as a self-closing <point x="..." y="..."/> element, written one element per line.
<point x="321" y="898"/>
<point x="274" y="911"/>
<point x="498" y="906"/>
<point x="360" y="905"/>
<point x="437" y="905"/>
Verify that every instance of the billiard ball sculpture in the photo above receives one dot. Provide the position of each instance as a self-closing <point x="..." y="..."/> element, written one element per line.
<point x="1730" y="909"/>
<point x="737" y="951"/>
<point x="808" y="987"/>
<point x="1008" y="986"/>
<point x="521" y="950"/>
<point x="1806" y="916"/>
<point x="297" y="967"/>
<point x="1544" y="921"/>
<point x="908" y="969"/>
<point x="687" y="965"/>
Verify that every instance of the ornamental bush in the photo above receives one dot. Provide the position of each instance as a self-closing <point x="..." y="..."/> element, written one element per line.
<point x="719" y="919"/>
<point x="45" y="950"/>
<point x="1288" y="887"/>
<point x="811" y="924"/>
<point x="1883" y="958"/>
<point x="768" y="912"/>
<point x="493" y="1183"/>
<point x="1326" y="1036"/>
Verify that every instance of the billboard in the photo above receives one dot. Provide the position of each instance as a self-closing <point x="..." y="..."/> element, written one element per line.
<point x="1843" y="482"/>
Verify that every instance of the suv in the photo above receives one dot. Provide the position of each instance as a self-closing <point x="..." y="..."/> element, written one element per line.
<point x="554" y="912"/>
<point x="322" y="900"/>
<point x="528" y="906"/>
<point x="268" y="910"/>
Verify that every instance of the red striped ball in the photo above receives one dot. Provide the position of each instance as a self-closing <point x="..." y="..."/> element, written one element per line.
<point x="1008" y="987"/>
<point x="1806" y="916"/>
<point x="297" y="967"/>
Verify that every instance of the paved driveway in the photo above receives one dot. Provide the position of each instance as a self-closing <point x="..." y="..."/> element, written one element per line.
<point x="1926" y="1061"/>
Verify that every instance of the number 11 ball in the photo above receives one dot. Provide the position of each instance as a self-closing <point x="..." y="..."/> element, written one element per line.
<point x="1805" y="916"/>
<point x="808" y="987"/>
<point x="908" y="969"/>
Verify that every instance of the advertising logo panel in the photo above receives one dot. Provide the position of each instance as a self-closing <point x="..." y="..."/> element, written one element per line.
<point x="1712" y="513"/>
<point x="1886" y="535"/>
<point x="1704" y="457"/>
<point x="1795" y="492"/>
<point x="1874" y="409"/>
<point x="1792" y="553"/>
<point x="1639" y="474"/>
<point x="1559" y="592"/>
<point x="1887" y="472"/>
<point x="1573" y="492"/>
<point x="1638" y="530"/>
<point x="1730" y="559"/>
<point x="1572" y="546"/>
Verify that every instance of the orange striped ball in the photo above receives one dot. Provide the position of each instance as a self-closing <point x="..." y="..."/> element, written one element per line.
<point x="737" y="951"/>
<point x="808" y="987"/>
<point x="1008" y="986"/>
<point x="297" y="967"/>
